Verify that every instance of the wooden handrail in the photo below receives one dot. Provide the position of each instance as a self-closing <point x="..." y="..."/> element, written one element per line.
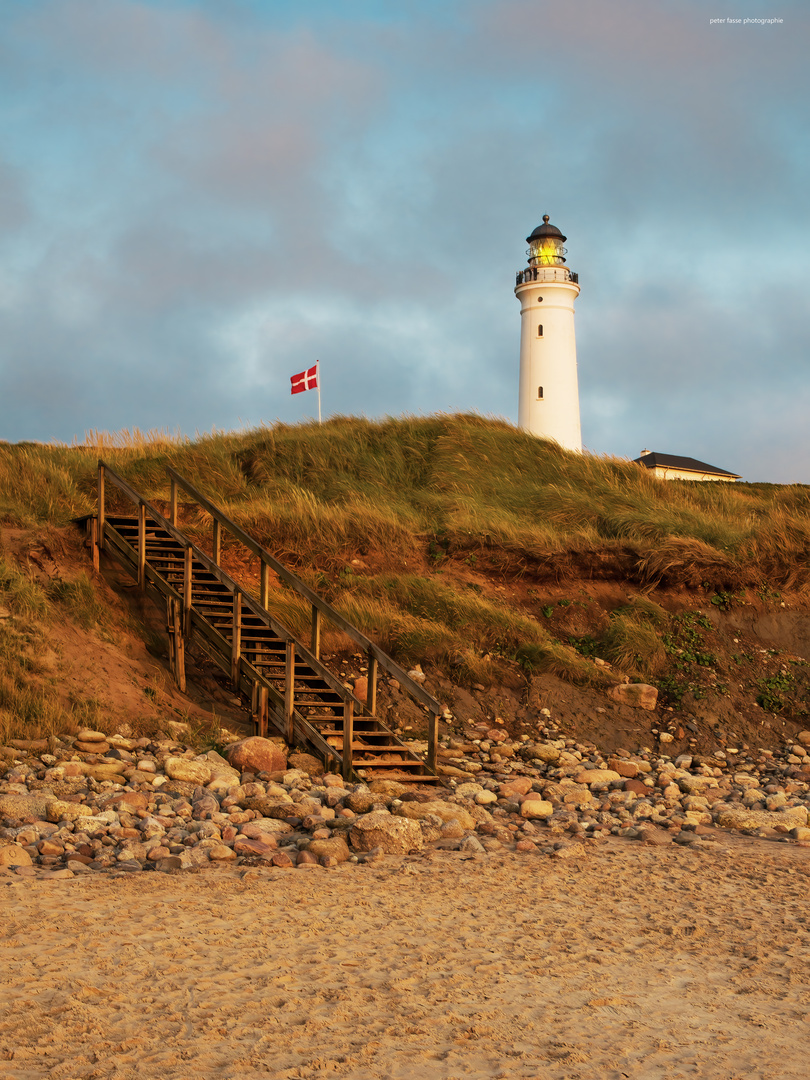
<point x="291" y="717"/>
<point x="278" y="629"/>
<point x="374" y="651"/>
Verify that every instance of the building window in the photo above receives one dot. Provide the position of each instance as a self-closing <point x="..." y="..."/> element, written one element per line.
<point x="539" y="393"/>
<point x="540" y="330"/>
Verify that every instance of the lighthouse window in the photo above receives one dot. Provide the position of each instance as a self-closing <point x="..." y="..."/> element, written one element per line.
<point x="539" y="299"/>
<point x="539" y="393"/>
<point x="540" y="330"/>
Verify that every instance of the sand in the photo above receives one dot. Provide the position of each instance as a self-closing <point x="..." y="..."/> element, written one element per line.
<point x="630" y="961"/>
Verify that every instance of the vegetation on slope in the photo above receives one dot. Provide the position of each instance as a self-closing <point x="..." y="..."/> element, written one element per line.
<point x="407" y="525"/>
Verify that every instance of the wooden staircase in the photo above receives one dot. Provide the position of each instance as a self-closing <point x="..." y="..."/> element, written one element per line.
<point x="287" y="685"/>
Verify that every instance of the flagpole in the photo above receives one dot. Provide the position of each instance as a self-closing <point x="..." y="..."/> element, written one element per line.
<point x="318" y="380"/>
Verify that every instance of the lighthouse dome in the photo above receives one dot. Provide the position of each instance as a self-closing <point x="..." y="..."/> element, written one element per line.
<point x="546" y="230"/>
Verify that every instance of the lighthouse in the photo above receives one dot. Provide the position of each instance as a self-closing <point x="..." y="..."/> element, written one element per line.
<point x="549" y="393"/>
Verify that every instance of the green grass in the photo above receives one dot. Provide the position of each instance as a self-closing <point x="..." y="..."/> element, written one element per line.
<point x="413" y="496"/>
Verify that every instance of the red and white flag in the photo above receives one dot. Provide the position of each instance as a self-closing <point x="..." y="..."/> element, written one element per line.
<point x="305" y="380"/>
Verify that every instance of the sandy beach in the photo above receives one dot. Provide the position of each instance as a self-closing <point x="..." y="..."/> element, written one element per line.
<point x="626" y="961"/>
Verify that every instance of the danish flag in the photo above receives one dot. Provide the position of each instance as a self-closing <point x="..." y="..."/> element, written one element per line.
<point x="305" y="380"/>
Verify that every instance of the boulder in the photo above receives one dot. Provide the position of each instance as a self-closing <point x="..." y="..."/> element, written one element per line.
<point x="91" y="747"/>
<point x="388" y="787"/>
<point x="24" y="806"/>
<point x="535" y="807"/>
<point x="416" y="811"/>
<point x="261" y="847"/>
<point x="334" y="847"/>
<point x="13" y="855"/>
<point x="546" y="752"/>
<point x="740" y="817"/>
<point x="274" y="806"/>
<point x="393" y="835"/>
<point x="596" y="777"/>
<point x="360" y="802"/>
<point x="636" y="695"/>
<point x="189" y="771"/>
<point x="67" y="811"/>
<point x="306" y="763"/>
<point x="256" y="755"/>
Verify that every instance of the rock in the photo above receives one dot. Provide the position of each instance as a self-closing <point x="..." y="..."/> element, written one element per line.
<point x="394" y="835"/>
<point x="596" y="777"/>
<point x="281" y="860"/>
<point x="360" y="802"/>
<point x="125" y="800"/>
<point x="306" y="858"/>
<point x="628" y="769"/>
<point x="87" y="735"/>
<point x="638" y="787"/>
<point x="651" y="835"/>
<point x="546" y="752"/>
<point x="221" y="853"/>
<point x="739" y="817"/>
<point x="535" y="807"/>
<point x="266" y="827"/>
<point x="67" y="811"/>
<point x="636" y="695"/>
<point x="24" y="806"/>
<point x="14" y="855"/>
<point x="189" y="771"/>
<point x="273" y="806"/>
<point x="471" y="845"/>
<point x="114" y="771"/>
<point x="452" y="830"/>
<point x="486" y="798"/>
<point x="335" y="847"/>
<point x="91" y="747"/>
<point x="520" y="785"/>
<point x="442" y="810"/>
<point x="256" y="755"/>
<point x="803" y="737"/>
<point x="260" y="847"/>
<point x="306" y="763"/>
<point x="360" y="690"/>
<point x="388" y="787"/>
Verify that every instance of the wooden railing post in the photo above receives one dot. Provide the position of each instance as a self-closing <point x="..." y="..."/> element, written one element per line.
<point x="289" y="691"/>
<point x="93" y="530"/>
<point x="102" y="516"/>
<point x="371" y="692"/>
<point x="173" y="504"/>
<point x="142" y="546"/>
<point x="177" y="648"/>
<point x="217" y="541"/>
<point x="348" y="738"/>
<point x="236" y="639"/>
<point x="315" y="637"/>
<point x="187" y="560"/>
<point x="433" y="741"/>
<point x="265" y="585"/>
<point x="264" y="701"/>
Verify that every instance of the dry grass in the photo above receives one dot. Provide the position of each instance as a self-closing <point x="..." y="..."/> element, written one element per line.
<point x="405" y="495"/>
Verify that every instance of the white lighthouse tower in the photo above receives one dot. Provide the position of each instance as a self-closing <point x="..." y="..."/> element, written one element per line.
<point x="547" y="289"/>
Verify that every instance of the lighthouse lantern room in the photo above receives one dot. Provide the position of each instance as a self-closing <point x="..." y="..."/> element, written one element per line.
<point x="549" y="394"/>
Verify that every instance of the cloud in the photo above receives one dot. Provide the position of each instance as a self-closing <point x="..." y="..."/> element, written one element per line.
<point x="197" y="198"/>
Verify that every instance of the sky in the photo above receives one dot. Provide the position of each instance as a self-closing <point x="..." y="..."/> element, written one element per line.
<point x="200" y="198"/>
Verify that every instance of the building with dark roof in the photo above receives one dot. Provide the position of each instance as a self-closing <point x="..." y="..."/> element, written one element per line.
<point x="673" y="467"/>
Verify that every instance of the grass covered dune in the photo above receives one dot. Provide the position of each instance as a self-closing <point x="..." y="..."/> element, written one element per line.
<point x="442" y="485"/>
<point x="408" y="524"/>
